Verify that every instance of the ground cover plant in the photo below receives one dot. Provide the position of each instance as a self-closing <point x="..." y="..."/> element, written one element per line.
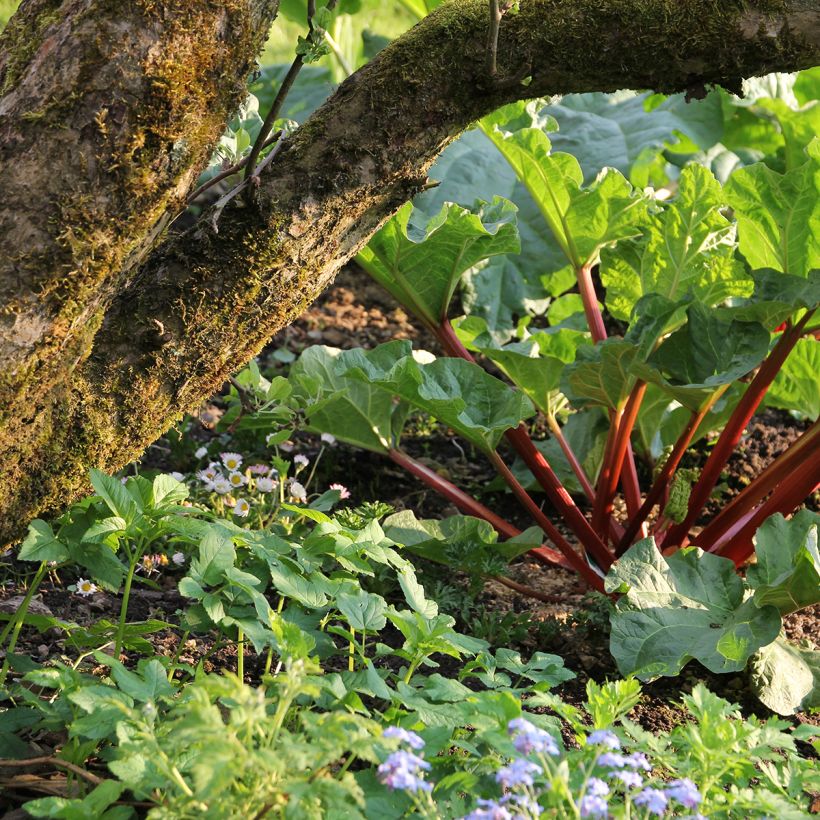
<point x="629" y="302"/>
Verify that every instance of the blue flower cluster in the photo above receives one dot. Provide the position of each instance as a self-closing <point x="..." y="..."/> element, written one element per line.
<point x="404" y="770"/>
<point x="529" y="738"/>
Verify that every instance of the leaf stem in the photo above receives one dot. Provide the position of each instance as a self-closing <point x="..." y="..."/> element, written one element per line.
<point x="737" y="542"/>
<point x="240" y="655"/>
<point x="574" y="463"/>
<point x="620" y="432"/>
<point x="578" y="563"/>
<point x="797" y="461"/>
<point x="133" y="559"/>
<point x="469" y="505"/>
<point x="595" y="320"/>
<point x="16" y="623"/>
<point x="733" y="430"/>
<point x="669" y="466"/>
<point x="535" y="461"/>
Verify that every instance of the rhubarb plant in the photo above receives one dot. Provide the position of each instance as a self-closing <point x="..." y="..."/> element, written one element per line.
<point x="692" y="312"/>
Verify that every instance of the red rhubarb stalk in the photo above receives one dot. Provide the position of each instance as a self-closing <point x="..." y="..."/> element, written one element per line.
<point x="469" y="505"/>
<point x="796" y="460"/>
<point x="737" y="543"/>
<point x="614" y="459"/>
<point x="733" y="430"/>
<point x="572" y="459"/>
<point x="595" y="320"/>
<point x="538" y="465"/>
<point x="578" y="563"/>
<point x="661" y="484"/>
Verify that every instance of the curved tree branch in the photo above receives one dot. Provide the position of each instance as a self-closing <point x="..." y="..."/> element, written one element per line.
<point x="204" y="302"/>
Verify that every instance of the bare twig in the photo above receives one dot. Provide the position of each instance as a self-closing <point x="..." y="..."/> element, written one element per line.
<point x="53" y="761"/>
<point x="220" y="204"/>
<point x="284" y="89"/>
<point x="492" y="38"/>
<point x="229" y="172"/>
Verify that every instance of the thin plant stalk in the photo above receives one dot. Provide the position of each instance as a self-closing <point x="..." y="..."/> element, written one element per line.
<point x="734" y="428"/>
<point x="240" y="655"/>
<point x="669" y="466"/>
<point x="469" y="505"/>
<point x="578" y="563"/>
<point x="572" y="459"/>
<point x="595" y="321"/>
<point x="133" y="559"/>
<point x="534" y="459"/>
<point x="614" y="460"/>
<point x="15" y="625"/>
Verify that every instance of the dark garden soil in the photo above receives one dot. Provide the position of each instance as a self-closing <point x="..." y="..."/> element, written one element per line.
<point x="572" y="624"/>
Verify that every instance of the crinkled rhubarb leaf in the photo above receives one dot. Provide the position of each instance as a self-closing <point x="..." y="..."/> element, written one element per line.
<point x="690" y="606"/>
<point x="786" y="677"/>
<point x="688" y="249"/>
<point x="778" y="215"/>
<point x="787" y="572"/>
<point x="421" y="267"/>
<point x="351" y="410"/>
<point x="457" y="392"/>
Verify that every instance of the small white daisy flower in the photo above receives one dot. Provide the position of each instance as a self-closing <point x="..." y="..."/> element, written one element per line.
<point x="259" y="469"/>
<point x="241" y="508"/>
<point x="301" y="460"/>
<point x="177" y="476"/>
<point x="221" y="485"/>
<point x="178" y="558"/>
<point x="201" y="452"/>
<point x="236" y="479"/>
<point x="343" y="491"/>
<point x="233" y="461"/>
<point x="328" y="438"/>
<point x="265" y="485"/>
<point x="287" y="446"/>
<point x="207" y="476"/>
<point x="297" y="491"/>
<point x="85" y="588"/>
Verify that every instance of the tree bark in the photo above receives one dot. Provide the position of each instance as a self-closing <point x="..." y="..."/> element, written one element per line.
<point x="130" y="342"/>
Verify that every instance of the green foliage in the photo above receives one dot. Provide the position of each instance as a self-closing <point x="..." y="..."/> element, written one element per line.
<point x="692" y="605"/>
<point x="422" y="269"/>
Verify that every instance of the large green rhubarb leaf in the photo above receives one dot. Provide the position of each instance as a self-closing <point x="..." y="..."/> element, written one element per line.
<point x="688" y="606"/>
<point x="537" y="363"/>
<point x="457" y="392"/>
<point x="500" y="288"/>
<point x="707" y="352"/>
<point x="778" y="215"/>
<point x="582" y="220"/>
<point x="787" y="572"/>
<point x="795" y="386"/>
<point x="786" y="677"/>
<point x="616" y="130"/>
<point x="421" y="268"/>
<point x="688" y="249"/>
<point x="351" y="410"/>
<point x="459" y="541"/>
<point x="600" y="374"/>
<point x="777" y="296"/>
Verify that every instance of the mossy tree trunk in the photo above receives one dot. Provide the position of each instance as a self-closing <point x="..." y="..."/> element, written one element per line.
<point x="110" y="332"/>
